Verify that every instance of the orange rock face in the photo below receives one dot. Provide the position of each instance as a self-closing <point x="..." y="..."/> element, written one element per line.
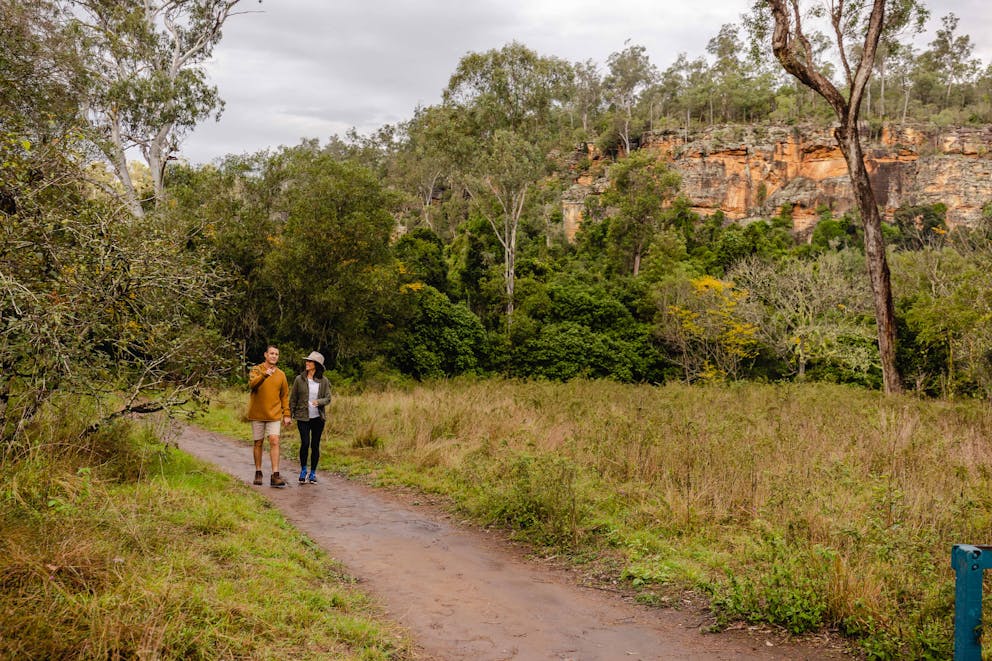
<point x="751" y="171"/>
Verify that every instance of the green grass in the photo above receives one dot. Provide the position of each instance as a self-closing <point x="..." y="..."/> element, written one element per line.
<point x="130" y="549"/>
<point x="810" y="507"/>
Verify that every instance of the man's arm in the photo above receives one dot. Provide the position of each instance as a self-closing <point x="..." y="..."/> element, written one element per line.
<point x="284" y="398"/>
<point x="256" y="376"/>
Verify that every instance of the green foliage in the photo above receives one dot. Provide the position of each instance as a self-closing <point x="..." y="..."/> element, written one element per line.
<point x="332" y="257"/>
<point x="474" y="257"/>
<point x="640" y="186"/>
<point x="566" y="350"/>
<point x="512" y="89"/>
<point x="631" y="73"/>
<point x="421" y="254"/>
<point x="90" y="305"/>
<point x="308" y="238"/>
<point x="790" y="591"/>
<point x="836" y="234"/>
<point x="571" y="329"/>
<point x="535" y="495"/>
<point x="442" y="339"/>
<point x="922" y="225"/>
<point x="588" y="305"/>
<point x="945" y="306"/>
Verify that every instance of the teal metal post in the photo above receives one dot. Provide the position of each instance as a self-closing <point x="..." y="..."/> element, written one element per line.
<point x="969" y="563"/>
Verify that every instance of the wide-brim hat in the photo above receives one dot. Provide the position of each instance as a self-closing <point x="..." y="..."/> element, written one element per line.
<point x="315" y="357"/>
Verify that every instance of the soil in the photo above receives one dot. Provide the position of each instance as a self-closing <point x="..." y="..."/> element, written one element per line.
<point x="469" y="593"/>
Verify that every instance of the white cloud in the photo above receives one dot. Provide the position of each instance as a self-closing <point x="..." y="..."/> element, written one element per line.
<point x="295" y="69"/>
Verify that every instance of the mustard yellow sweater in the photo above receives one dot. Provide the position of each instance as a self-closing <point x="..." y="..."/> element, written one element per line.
<point x="268" y="396"/>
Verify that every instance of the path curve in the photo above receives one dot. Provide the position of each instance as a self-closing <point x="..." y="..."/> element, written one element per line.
<point x="465" y="595"/>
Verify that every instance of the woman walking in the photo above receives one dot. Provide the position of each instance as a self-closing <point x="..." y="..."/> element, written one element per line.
<point x="311" y="392"/>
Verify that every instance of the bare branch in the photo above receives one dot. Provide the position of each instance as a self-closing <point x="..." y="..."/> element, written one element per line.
<point x="872" y="36"/>
<point x="788" y="36"/>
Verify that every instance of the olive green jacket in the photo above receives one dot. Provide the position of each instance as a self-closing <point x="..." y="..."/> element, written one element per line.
<point x="300" y="393"/>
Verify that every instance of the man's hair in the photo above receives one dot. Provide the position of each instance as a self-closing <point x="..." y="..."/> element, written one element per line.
<point x="270" y="346"/>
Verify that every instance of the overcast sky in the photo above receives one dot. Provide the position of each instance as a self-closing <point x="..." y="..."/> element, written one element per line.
<point x="294" y="69"/>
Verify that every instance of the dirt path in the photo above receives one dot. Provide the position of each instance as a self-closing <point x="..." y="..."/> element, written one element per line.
<point x="464" y="594"/>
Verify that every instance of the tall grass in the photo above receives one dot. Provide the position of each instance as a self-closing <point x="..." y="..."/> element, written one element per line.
<point x="809" y="506"/>
<point x="117" y="546"/>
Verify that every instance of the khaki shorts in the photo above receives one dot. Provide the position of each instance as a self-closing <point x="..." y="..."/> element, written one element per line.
<point x="262" y="428"/>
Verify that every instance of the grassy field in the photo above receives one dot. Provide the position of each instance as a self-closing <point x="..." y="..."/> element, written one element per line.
<point x="121" y="547"/>
<point x="807" y="506"/>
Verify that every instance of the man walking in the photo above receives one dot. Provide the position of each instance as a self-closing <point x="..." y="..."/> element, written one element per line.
<point x="268" y="406"/>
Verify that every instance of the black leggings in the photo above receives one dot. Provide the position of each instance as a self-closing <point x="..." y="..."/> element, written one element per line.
<point x="310" y="432"/>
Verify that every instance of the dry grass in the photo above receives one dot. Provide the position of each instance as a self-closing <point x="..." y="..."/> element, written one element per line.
<point x="806" y="505"/>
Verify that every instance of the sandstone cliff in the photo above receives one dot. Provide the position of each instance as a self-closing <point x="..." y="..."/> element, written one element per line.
<point x="751" y="171"/>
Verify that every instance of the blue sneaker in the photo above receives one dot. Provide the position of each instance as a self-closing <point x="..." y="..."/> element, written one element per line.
<point x="313" y="477"/>
<point x="303" y="475"/>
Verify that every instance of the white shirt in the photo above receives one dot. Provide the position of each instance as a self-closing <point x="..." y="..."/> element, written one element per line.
<point x="312" y="410"/>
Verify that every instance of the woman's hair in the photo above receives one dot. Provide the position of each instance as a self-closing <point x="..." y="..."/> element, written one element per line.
<point x="318" y="369"/>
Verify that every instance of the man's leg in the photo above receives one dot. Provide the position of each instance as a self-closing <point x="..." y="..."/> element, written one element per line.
<point x="274" y="452"/>
<point x="257" y="452"/>
<point x="275" y="479"/>
<point x="257" y="434"/>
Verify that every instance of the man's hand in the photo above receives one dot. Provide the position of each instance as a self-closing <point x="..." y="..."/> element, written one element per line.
<point x="270" y="371"/>
<point x="286" y="420"/>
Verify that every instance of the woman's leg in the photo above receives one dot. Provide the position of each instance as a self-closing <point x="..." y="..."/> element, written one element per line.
<point x="316" y="430"/>
<point x="305" y="433"/>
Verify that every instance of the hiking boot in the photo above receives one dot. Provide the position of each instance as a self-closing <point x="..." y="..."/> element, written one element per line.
<point x="258" y="478"/>
<point x="303" y="475"/>
<point x="277" y="481"/>
<point x="313" y="477"/>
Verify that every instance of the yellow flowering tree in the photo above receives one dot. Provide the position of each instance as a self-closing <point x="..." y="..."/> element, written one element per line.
<point x="699" y="321"/>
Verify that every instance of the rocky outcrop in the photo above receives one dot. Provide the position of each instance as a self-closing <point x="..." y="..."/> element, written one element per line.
<point x="751" y="171"/>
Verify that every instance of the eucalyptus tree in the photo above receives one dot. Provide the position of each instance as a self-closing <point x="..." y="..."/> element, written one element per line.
<point x="950" y="56"/>
<point x="741" y="82"/>
<point x="900" y="65"/>
<point x="587" y="97"/>
<point x="147" y="86"/>
<point x="905" y="20"/>
<point x="640" y="187"/>
<point x="665" y="95"/>
<point x="684" y="89"/>
<point x="630" y="73"/>
<point x="727" y="68"/>
<point x="700" y="90"/>
<point x="426" y="158"/>
<point x="792" y="46"/>
<point x="508" y="106"/>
